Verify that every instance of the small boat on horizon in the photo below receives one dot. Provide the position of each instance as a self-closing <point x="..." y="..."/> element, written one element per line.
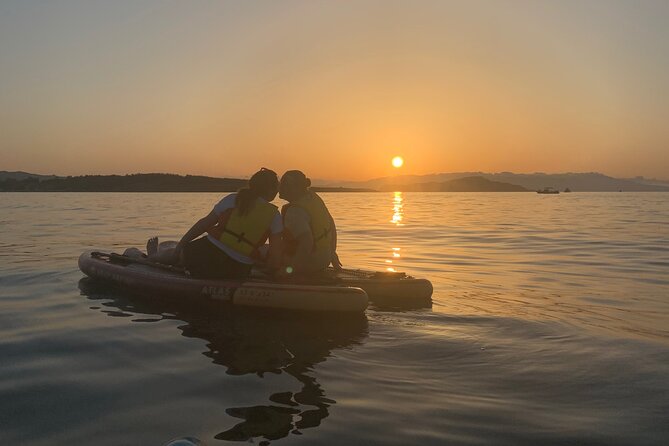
<point x="548" y="190"/>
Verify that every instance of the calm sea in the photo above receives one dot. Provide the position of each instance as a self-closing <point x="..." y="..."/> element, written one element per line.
<point x="549" y="325"/>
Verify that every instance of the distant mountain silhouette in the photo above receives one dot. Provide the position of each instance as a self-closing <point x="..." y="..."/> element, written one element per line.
<point x="577" y="182"/>
<point x="648" y="181"/>
<point x="467" y="184"/>
<point x="341" y="189"/>
<point x="19" y="176"/>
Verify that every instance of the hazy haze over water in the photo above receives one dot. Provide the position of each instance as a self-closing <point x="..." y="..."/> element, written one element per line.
<point x="550" y="325"/>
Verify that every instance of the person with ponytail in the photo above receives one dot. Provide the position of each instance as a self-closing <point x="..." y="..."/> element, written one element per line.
<point x="310" y="234"/>
<point x="236" y="228"/>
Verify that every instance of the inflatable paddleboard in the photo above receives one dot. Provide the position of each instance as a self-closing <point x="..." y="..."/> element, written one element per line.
<point x="387" y="286"/>
<point x="163" y="280"/>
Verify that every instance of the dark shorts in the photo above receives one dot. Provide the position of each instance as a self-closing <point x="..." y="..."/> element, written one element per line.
<point x="205" y="260"/>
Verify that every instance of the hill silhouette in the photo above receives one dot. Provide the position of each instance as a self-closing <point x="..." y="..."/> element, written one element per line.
<point x="149" y="182"/>
<point x="577" y="182"/>
<point x="466" y="184"/>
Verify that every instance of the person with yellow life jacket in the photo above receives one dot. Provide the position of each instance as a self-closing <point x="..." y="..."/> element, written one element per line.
<point x="310" y="234"/>
<point x="237" y="226"/>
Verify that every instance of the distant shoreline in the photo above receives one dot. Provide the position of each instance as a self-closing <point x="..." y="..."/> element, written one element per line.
<point x="154" y="182"/>
<point x="159" y="182"/>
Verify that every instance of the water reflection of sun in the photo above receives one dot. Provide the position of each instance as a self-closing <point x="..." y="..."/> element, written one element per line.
<point x="398" y="209"/>
<point x="398" y="214"/>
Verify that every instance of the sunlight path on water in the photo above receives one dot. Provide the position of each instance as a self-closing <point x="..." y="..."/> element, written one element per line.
<point x="581" y="258"/>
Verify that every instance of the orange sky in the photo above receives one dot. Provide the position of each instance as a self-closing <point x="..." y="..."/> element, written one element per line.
<point x="334" y="88"/>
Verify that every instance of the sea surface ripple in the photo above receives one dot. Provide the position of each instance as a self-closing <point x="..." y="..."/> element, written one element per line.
<point x="549" y="325"/>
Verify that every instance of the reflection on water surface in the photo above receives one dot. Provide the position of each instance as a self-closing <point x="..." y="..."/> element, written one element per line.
<point x="398" y="215"/>
<point x="252" y="341"/>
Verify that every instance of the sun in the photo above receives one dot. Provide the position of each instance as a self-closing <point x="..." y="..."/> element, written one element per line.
<point x="398" y="161"/>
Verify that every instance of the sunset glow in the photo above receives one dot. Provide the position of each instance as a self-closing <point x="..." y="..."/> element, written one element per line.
<point x="398" y="162"/>
<point x="222" y="88"/>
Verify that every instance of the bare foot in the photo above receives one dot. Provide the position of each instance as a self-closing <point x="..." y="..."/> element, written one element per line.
<point x="152" y="246"/>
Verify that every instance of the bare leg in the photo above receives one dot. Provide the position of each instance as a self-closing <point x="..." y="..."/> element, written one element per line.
<point x="157" y="252"/>
<point x="170" y="244"/>
<point x="134" y="253"/>
<point x="163" y="252"/>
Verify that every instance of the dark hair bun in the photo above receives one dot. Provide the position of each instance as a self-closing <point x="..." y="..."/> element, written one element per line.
<point x="298" y="177"/>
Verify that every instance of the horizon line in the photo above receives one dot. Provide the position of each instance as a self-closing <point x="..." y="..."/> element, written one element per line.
<point x="345" y="180"/>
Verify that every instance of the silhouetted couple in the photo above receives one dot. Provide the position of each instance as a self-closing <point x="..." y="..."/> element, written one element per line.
<point x="302" y="238"/>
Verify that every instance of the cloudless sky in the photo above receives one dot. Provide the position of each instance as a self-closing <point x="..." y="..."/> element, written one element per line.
<point x="336" y="88"/>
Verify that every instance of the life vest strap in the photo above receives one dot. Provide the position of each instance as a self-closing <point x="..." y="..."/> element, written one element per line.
<point x="240" y="237"/>
<point x="323" y="235"/>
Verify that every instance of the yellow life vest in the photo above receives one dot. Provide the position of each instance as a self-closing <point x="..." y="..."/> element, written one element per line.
<point x="319" y="221"/>
<point x="245" y="233"/>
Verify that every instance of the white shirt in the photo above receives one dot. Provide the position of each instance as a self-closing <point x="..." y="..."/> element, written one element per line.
<point x="297" y="221"/>
<point x="228" y="202"/>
